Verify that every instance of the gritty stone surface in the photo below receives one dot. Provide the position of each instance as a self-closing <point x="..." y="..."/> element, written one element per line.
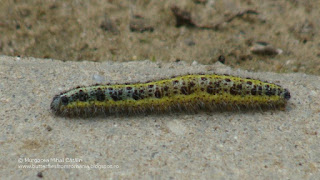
<point x="281" y="144"/>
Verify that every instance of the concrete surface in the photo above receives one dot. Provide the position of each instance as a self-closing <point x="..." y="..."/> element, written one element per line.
<point x="220" y="145"/>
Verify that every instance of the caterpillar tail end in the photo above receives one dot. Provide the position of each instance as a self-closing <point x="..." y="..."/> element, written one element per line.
<point x="287" y="95"/>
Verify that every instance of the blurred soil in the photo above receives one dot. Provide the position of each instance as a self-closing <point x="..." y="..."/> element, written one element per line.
<point x="205" y="31"/>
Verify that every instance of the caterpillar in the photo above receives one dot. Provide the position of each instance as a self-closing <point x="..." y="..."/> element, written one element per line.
<point x="188" y="92"/>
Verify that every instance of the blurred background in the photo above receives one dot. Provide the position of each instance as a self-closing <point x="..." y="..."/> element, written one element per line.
<point x="257" y="35"/>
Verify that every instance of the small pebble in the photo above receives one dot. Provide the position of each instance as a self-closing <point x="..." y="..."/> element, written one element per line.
<point x="263" y="48"/>
<point x="98" y="78"/>
<point x="222" y="59"/>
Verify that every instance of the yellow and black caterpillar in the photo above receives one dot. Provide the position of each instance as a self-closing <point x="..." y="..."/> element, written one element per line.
<point x="188" y="92"/>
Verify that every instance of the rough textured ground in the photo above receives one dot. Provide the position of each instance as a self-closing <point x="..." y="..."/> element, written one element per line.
<point x="112" y="30"/>
<point x="221" y="145"/>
